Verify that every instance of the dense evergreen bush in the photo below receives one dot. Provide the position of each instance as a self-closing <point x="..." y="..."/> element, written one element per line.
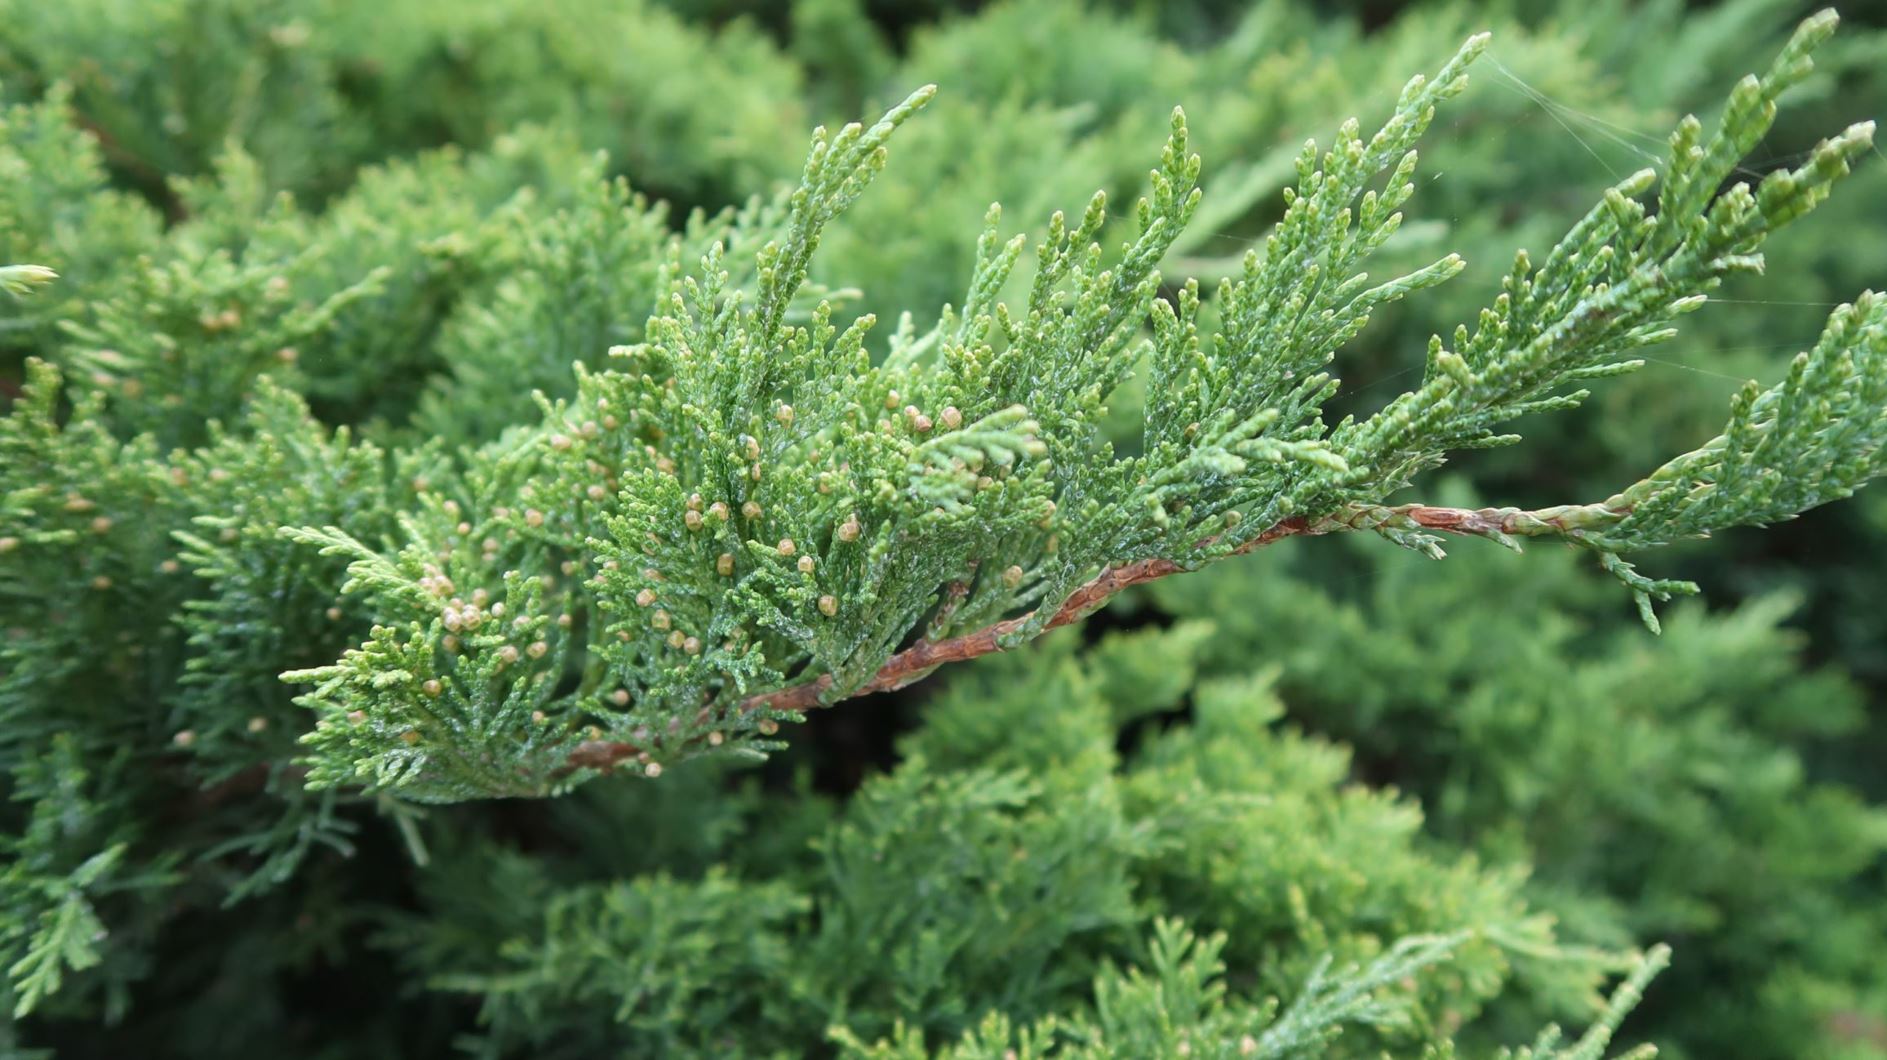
<point x="455" y="479"/>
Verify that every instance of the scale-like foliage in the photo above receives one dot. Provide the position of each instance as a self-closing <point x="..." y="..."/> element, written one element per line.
<point x="740" y="504"/>
<point x="523" y="476"/>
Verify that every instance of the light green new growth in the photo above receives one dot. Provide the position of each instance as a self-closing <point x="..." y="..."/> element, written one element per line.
<point x="18" y="280"/>
<point x="747" y="514"/>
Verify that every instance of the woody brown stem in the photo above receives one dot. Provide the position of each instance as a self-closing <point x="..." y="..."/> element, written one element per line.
<point x="917" y="661"/>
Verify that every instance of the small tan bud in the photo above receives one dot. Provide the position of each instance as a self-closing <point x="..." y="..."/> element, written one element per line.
<point x="692" y="519"/>
<point x="725" y="564"/>
<point x="784" y="414"/>
<point x="952" y="417"/>
<point x="539" y="717"/>
<point x="805" y="564"/>
<point x="767" y="726"/>
<point x="692" y="645"/>
<point x="620" y="697"/>
<point x="287" y="354"/>
<point x="645" y="597"/>
<point x="1012" y="577"/>
<point x="718" y="510"/>
<point x="409" y="737"/>
<point x="652" y="770"/>
<point x="101" y="582"/>
<point x="891" y="399"/>
<point x="559" y="441"/>
<point x="537" y="649"/>
<point x="828" y="605"/>
<point x="597" y="493"/>
<point x="849" y="529"/>
<point x="169" y="566"/>
<point x="101" y="524"/>
<point x="533" y="518"/>
<point x="508" y="654"/>
<point x="751" y="509"/>
<point x="660" y="620"/>
<point x="694" y="502"/>
<point x="754" y="472"/>
<point x="921" y="423"/>
<point x="356" y="716"/>
<point x="258" y="724"/>
<point x="450" y="644"/>
<point x="677" y="639"/>
<point x="564" y="620"/>
<point x="432" y="688"/>
<point x="787" y="547"/>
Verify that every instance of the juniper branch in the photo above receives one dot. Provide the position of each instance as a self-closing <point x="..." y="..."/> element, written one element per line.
<point x="748" y="516"/>
<point x="925" y="657"/>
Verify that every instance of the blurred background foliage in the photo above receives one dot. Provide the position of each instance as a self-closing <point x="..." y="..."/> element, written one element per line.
<point x="407" y="213"/>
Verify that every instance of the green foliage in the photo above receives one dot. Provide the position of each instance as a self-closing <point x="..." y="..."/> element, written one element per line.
<point x="415" y="409"/>
<point x="1177" y="1007"/>
<point x="1653" y="785"/>
<point x="1043" y="896"/>
<point x="705" y="116"/>
<point x="735" y="482"/>
<point x="55" y="205"/>
<point x="50" y="925"/>
<point x="167" y="84"/>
